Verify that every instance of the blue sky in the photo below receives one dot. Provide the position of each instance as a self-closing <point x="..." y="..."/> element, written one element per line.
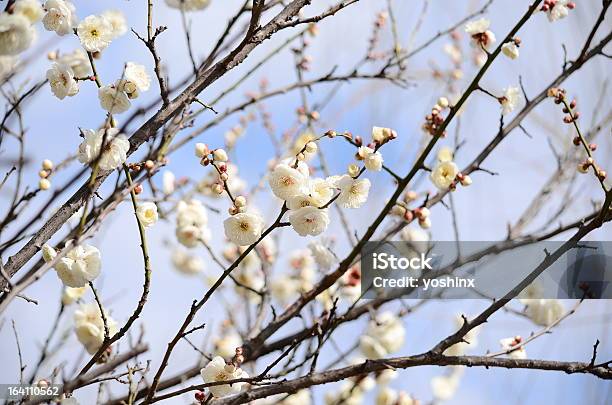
<point x="484" y="209"/>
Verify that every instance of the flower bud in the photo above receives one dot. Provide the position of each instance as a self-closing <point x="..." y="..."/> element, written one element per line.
<point x="443" y="102"/>
<point x="465" y="180"/>
<point x="205" y="161"/>
<point x="353" y="170"/>
<point x="44" y="184"/>
<point x="138" y="189"/>
<point x="48" y="253"/>
<point x="149" y="165"/>
<point x="220" y="155"/>
<point x="240" y="201"/>
<point x="425" y="223"/>
<point x="408" y="216"/>
<point x="410" y="196"/>
<point x="224" y="176"/>
<point x="43" y="174"/>
<point x="311" y="147"/>
<point x="47" y="164"/>
<point x="201" y="150"/>
<point x="217" y="188"/>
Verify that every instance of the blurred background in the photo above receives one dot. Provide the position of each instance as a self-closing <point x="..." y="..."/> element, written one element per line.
<point x="523" y="163"/>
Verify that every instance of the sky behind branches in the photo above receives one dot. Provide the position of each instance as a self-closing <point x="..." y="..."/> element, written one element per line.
<point x="484" y="210"/>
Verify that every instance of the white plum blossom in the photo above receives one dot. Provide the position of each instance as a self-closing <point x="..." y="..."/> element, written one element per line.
<point x="61" y="80"/>
<point x="381" y="134"/>
<point x="287" y="182"/>
<point x="544" y="311"/>
<point x="89" y="326"/>
<point x="168" y="182"/>
<point x="322" y="255"/>
<point x="559" y="10"/>
<point x="302" y="166"/>
<point x="509" y="100"/>
<point x="113" y="98"/>
<point x="309" y="221"/>
<point x="320" y="190"/>
<point x="510" y="49"/>
<point x="443" y="174"/>
<point x="445" y="154"/>
<point x="95" y="33"/>
<point x="480" y="33"/>
<point x="60" y="17"/>
<point x="71" y="295"/>
<point x="80" y="266"/>
<point x="138" y="75"/>
<point x="186" y="263"/>
<point x="115" y="148"/>
<point x="444" y="387"/>
<point x="147" y="213"/>
<point x="30" y="9"/>
<point x="243" y="228"/>
<point x="300" y="201"/>
<point x="510" y="344"/>
<point x="191" y="221"/>
<point x="226" y="345"/>
<point x="383" y="336"/>
<point x="117" y="20"/>
<point x="188" y="5"/>
<point x="353" y="192"/>
<point x="16" y="33"/>
<point x="372" y="160"/>
<point x="78" y="62"/>
<point x="48" y="253"/>
<point x="217" y="370"/>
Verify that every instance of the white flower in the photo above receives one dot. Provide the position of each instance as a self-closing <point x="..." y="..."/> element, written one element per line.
<point x="386" y="396"/>
<point x="80" y="266"/>
<point x="444" y="387"/>
<point x="443" y="174"/>
<point x="186" y="263"/>
<point x="320" y="190"/>
<point x="16" y="34"/>
<point x="78" y="61"/>
<point x="227" y="344"/>
<point x="445" y="154"/>
<point x="510" y="50"/>
<point x="477" y="26"/>
<point x="372" y="160"/>
<point x="509" y="343"/>
<point x="116" y="147"/>
<point x="300" y="201"/>
<point x="384" y="335"/>
<point x="61" y="16"/>
<point x="188" y="5"/>
<point x="353" y="192"/>
<point x="544" y="311"/>
<point x="70" y="295"/>
<point x="381" y="134"/>
<point x="48" y="253"/>
<point x="147" y="213"/>
<point x="30" y="9"/>
<point x="509" y="100"/>
<point x="89" y="326"/>
<point x="480" y="33"/>
<point x="322" y="255"/>
<point x="137" y="74"/>
<point x="287" y="182"/>
<point x="244" y="228"/>
<point x="309" y="221"/>
<point x="558" y="11"/>
<point x="302" y="166"/>
<point x="117" y="20"/>
<point x="113" y="99"/>
<point x="168" y="180"/>
<point x="191" y="221"/>
<point x="61" y="80"/>
<point x="95" y="33"/>
<point x="218" y="370"/>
